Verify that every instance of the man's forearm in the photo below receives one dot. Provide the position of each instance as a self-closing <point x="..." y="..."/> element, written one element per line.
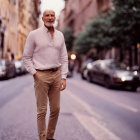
<point x="27" y="61"/>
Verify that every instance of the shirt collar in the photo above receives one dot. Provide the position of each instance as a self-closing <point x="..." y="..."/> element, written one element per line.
<point x="46" y="29"/>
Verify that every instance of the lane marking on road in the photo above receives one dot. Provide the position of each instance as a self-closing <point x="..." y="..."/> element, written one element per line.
<point x="92" y="124"/>
<point x="97" y="131"/>
<point x="127" y="107"/>
<point x="84" y="105"/>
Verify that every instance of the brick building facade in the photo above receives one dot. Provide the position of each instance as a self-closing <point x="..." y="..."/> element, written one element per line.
<point x="17" y="18"/>
<point x="77" y="13"/>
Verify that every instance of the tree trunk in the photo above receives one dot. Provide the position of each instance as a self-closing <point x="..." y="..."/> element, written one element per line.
<point x="121" y="54"/>
<point x="136" y="55"/>
<point x="130" y="56"/>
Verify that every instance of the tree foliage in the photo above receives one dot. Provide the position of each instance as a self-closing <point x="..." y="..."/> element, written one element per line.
<point x="118" y="27"/>
<point x="82" y="43"/>
<point x="69" y="37"/>
<point x="99" y="31"/>
<point x="126" y="22"/>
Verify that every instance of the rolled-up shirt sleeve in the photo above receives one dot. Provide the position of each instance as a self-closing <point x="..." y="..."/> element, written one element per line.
<point x="28" y="54"/>
<point x="64" y="60"/>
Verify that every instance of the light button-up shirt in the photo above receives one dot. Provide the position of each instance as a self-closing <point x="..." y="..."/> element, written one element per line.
<point x="42" y="51"/>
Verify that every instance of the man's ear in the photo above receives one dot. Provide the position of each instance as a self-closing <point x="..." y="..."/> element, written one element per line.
<point x="42" y="19"/>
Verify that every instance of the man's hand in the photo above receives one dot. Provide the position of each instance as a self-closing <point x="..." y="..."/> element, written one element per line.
<point x="62" y="84"/>
<point x="35" y="75"/>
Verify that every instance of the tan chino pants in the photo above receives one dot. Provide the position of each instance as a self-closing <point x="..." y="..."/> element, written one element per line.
<point x="47" y="87"/>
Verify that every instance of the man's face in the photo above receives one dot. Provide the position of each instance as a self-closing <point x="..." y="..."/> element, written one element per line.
<point x="49" y="18"/>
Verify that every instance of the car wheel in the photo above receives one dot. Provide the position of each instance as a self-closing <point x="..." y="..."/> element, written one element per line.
<point x="108" y="82"/>
<point x="89" y="79"/>
<point x="134" y="88"/>
<point x="82" y="75"/>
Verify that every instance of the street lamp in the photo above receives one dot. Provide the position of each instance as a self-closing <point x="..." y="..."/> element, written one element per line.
<point x="73" y="56"/>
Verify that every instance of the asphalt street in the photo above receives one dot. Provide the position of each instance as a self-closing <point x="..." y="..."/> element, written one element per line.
<point x="88" y="111"/>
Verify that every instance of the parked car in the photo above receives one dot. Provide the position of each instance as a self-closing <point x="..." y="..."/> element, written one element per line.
<point x="136" y="69"/>
<point x="20" y="69"/>
<point x="112" y="73"/>
<point x="84" y="69"/>
<point x="7" y="71"/>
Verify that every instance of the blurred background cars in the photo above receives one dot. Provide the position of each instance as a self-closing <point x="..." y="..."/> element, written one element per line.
<point x="112" y="73"/>
<point x="137" y="69"/>
<point x="71" y="64"/>
<point x="20" y="69"/>
<point x="7" y="71"/>
<point x="84" y="68"/>
<point x="11" y="70"/>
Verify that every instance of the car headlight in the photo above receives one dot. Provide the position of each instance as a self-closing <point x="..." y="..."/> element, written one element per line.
<point x="135" y="73"/>
<point x="89" y="66"/>
<point x="2" y="72"/>
<point x="126" y="78"/>
<point x="120" y="78"/>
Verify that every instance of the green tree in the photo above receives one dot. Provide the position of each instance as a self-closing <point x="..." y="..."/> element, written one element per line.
<point x="100" y="30"/>
<point x="126" y="22"/>
<point x="119" y="27"/>
<point x="82" y="43"/>
<point x="69" y="38"/>
<point x="127" y="25"/>
<point x="98" y="34"/>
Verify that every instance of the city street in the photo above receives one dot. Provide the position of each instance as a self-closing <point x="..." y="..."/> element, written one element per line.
<point x="88" y="111"/>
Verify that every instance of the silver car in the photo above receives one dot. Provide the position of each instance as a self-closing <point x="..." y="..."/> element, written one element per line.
<point x="112" y="73"/>
<point x="7" y="71"/>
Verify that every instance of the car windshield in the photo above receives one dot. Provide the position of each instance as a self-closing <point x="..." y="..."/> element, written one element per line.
<point x="117" y="65"/>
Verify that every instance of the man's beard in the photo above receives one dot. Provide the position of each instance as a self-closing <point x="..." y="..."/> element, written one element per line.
<point x="49" y="24"/>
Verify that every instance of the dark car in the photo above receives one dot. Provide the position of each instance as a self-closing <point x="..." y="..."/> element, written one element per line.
<point x="84" y="68"/>
<point x="136" y="69"/>
<point x="112" y="73"/>
<point x="7" y="71"/>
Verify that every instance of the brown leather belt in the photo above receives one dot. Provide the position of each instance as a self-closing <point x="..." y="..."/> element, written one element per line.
<point x="51" y="70"/>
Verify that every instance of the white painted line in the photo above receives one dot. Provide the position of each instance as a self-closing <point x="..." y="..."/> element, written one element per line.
<point x="92" y="124"/>
<point x="132" y="109"/>
<point x="84" y="105"/>
<point x="97" y="131"/>
<point x="127" y="107"/>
